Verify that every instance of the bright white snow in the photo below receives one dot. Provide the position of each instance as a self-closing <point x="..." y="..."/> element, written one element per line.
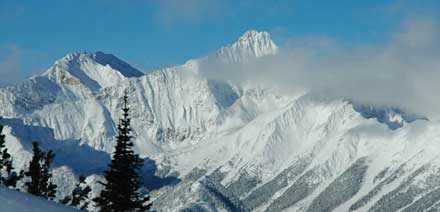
<point x="262" y="141"/>
<point x="14" y="201"/>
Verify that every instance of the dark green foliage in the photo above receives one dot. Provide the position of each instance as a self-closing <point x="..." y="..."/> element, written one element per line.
<point x="402" y="196"/>
<point x="342" y="188"/>
<point x="80" y="195"/>
<point x="40" y="173"/>
<point x="221" y="197"/>
<point x="376" y="190"/>
<point x="264" y="193"/>
<point x="121" y="189"/>
<point x="244" y="184"/>
<point x="8" y="176"/>
<point x="299" y="190"/>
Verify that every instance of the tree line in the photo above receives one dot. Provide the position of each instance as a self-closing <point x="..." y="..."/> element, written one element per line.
<point x="121" y="188"/>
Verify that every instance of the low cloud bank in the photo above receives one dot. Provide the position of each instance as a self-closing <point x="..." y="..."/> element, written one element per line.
<point x="402" y="72"/>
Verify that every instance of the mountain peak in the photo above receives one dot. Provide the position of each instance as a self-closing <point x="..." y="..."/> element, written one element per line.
<point x="103" y="59"/>
<point x="95" y="70"/>
<point x="253" y="35"/>
<point x="252" y="44"/>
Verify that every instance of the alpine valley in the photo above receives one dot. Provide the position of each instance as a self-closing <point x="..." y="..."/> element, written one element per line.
<point x="215" y="145"/>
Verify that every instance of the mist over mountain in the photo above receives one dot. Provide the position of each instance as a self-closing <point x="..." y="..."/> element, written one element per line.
<point x="311" y="126"/>
<point x="398" y="72"/>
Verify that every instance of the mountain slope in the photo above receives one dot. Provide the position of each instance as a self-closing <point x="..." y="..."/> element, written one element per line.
<point x="251" y="44"/>
<point x="94" y="70"/>
<point x="233" y="147"/>
<point x="14" y="201"/>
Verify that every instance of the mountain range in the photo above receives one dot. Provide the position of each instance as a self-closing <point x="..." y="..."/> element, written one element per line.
<point x="217" y="145"/>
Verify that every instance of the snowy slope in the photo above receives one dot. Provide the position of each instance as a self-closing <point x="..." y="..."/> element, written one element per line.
<point x="233" y="147"/>
<point x="94" y="70"/>
<point x="14" y="201"/>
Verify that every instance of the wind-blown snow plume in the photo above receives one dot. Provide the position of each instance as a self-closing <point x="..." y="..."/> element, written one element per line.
<point x="401" y="72"/>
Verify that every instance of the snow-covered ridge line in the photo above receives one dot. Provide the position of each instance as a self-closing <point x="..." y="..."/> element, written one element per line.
<point x="232" y="146"/>
<point x="252" y="44"/>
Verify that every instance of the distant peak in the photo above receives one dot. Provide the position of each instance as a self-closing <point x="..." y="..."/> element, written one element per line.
<point x="94" y="70"/>
<point x="252" y="44"/>
<point x="73" y="56"/>
<point x="253" y="35"/>
<point x="87" y="55"/>
<point x="101" y="58"/>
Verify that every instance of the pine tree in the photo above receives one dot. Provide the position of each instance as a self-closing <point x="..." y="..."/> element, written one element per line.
<point x="121" y="189"/>
<point x="80" y="195"/>
<point x="40" y="173"/>
<point x="8" y="176"/>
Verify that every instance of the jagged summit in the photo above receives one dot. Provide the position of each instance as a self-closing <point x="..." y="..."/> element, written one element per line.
<point x="251" y="44"/>
<point x="104" y="59"/>
<point x="253" y="35"/>
<point x="95" y="70"/>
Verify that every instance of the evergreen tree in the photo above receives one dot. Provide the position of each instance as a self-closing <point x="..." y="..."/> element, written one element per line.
<point x="40" y="173"/>
<point x="8" y="176"/>
<point x="121" y="189"/>
<point x="80" y="195"/>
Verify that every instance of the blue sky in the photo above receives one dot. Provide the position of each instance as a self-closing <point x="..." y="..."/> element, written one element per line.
<point x="153" y="33"/>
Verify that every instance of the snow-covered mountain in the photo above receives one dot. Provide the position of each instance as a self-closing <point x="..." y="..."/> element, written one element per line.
<point x="93" y="70"/>
<point x="250" y="45"/>
<point x="216" y="146"/>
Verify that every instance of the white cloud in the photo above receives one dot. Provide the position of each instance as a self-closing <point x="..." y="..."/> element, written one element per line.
<point x="402" y="72"/>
